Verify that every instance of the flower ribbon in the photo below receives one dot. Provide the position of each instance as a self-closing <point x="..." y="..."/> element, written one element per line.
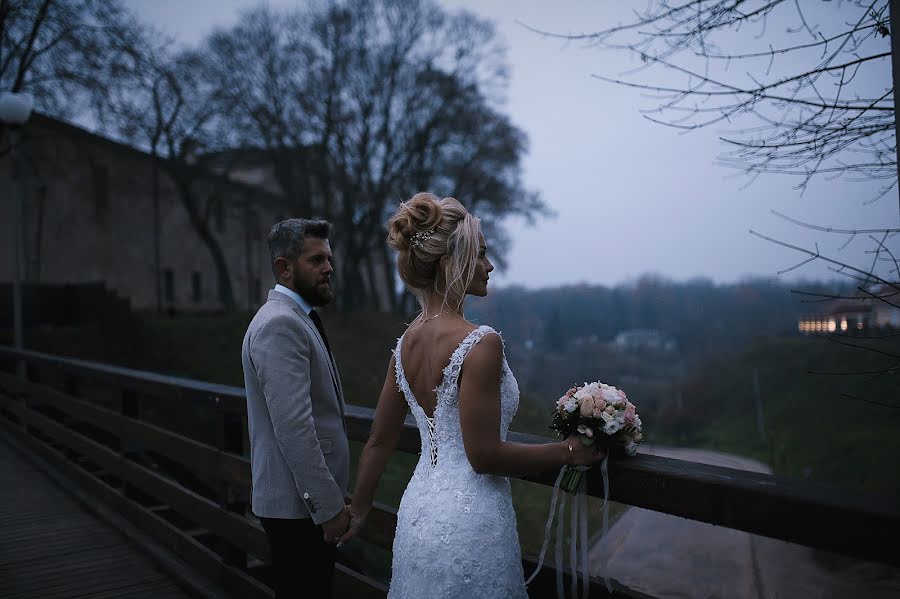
<point x="578" y="535"/>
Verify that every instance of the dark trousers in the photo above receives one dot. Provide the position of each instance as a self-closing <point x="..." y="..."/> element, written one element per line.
<point x="302" y="562"/>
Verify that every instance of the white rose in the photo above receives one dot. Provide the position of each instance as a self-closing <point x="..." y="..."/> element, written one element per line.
<point x="571" y="405"/>
<point x="587" y="390"/>
<point x="610" y="395"/>
<point x="611" y="427"/>
<point x="637" y="421"/>
<point x="607" y="417"/>
<point x="620" y="418"/>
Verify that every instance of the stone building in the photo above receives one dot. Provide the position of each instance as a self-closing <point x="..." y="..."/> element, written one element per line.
<point x="92" y="215"/>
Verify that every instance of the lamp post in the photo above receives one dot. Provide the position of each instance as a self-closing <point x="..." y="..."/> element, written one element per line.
<point x="14" y="112"/>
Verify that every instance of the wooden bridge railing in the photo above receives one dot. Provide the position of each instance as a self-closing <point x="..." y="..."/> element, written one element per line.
<point x="101" y="424"/>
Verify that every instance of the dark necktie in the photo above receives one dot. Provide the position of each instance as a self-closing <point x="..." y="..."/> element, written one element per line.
<point x="317" y="320"/>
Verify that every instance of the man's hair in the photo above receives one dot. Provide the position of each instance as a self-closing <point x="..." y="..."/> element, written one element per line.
<point x="285" y="240"/>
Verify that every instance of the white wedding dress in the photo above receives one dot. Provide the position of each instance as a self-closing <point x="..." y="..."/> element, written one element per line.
<point x="456" y="529"/>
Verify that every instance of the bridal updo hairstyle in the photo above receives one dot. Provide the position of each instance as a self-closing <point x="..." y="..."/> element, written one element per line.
<point x="437" y="241"/>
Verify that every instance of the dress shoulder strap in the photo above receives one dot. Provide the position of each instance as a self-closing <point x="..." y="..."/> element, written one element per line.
<point x="400" y="376"/>
<point x="454" y="367"/>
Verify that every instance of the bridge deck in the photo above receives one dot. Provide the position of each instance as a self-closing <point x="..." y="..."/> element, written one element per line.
<point x="50" y="546"/>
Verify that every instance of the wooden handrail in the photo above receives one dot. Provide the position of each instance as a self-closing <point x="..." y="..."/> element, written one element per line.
<point x="811" y="514"/>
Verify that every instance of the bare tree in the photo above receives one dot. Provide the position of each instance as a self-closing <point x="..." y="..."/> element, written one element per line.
<point x="808" y="82"/>
<point x="64" y="53"/>
<point x="171" y="104"/>
<point x="874" y="285"/>
<point x="806" y="88"/>
<point x="359" y="104"/>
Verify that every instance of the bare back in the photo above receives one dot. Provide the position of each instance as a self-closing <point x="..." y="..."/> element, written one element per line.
<point x="427" y="349"/>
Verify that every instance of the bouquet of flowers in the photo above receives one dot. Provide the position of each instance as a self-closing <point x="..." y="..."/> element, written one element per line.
<point x="598" y="413"/>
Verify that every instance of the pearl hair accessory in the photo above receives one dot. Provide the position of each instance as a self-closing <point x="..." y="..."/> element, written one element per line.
<point x="419" y="238"/>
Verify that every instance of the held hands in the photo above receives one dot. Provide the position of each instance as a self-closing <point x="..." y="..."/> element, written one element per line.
<point x="579" y="454"/>
<point x="337" y="526"/>
<point x="357" y="519"/>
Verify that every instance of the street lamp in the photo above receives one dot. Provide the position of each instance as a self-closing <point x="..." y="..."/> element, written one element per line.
<point x="14" y="112"/>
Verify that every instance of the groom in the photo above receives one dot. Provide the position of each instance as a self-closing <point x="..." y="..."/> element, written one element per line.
<point x="299" y="452"/>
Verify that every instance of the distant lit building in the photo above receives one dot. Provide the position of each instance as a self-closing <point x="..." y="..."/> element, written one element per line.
<point x="856" y="315"/>
<point x="653" y="339"/>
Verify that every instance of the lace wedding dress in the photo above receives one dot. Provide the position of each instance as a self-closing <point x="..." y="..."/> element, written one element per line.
<point x="456" y="529"/>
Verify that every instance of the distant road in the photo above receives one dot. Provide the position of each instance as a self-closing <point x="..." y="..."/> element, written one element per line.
<point x="670" y="557"/>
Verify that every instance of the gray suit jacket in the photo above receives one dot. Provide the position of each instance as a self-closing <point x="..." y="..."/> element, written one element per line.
<point x="299" y="453"/>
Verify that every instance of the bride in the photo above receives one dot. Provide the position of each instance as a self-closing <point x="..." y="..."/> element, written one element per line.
<point x="456" y="528"/>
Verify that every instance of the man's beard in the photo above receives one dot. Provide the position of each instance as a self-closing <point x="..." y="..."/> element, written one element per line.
<point x="315" y="294"/>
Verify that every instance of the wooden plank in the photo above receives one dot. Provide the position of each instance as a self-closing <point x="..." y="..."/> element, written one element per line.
<point x="348" y="583"/>
<point x="204" y="460"/>
<point x="89" y="564"/>
<point x="204" y="560"/>
<point x="13" y="406"/>
<point x="815" y="515"/>
<point x="238" y="530"/>
<point x="380" y="525"/>
<point x="221" y="397"/>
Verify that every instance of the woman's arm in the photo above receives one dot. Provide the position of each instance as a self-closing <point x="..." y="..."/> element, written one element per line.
<point x="386" y="427"/>
<point x="479" y="413"/>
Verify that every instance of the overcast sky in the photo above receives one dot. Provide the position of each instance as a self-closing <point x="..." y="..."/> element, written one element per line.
<point x="631" y="197"/>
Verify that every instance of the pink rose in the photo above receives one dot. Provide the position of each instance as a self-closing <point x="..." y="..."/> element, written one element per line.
<point x="629" y="417"/>
<point x="587" y="407"/>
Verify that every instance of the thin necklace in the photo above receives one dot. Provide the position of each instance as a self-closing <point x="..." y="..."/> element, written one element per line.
<point x="433" y="317"/>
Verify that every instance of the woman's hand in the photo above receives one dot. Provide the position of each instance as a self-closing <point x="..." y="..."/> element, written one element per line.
<point x="357" y="519"/>
<point x="579" y="454"/>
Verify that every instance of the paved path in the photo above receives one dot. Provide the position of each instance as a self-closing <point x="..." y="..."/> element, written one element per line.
<point x="671" y="557"/>
<point x="51" y="547"/>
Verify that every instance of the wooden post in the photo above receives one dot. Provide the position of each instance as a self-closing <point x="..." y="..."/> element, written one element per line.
<point x="230" y="497"/>
<point x="129" y="449"/>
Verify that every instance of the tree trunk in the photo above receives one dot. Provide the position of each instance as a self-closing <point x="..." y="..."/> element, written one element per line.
<point x="201" y="227"/>
<point x="354" y="292"/>
<point x="157" y="234"/>
<point x="895" y="70"/>
<point x="390" y="282"/>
